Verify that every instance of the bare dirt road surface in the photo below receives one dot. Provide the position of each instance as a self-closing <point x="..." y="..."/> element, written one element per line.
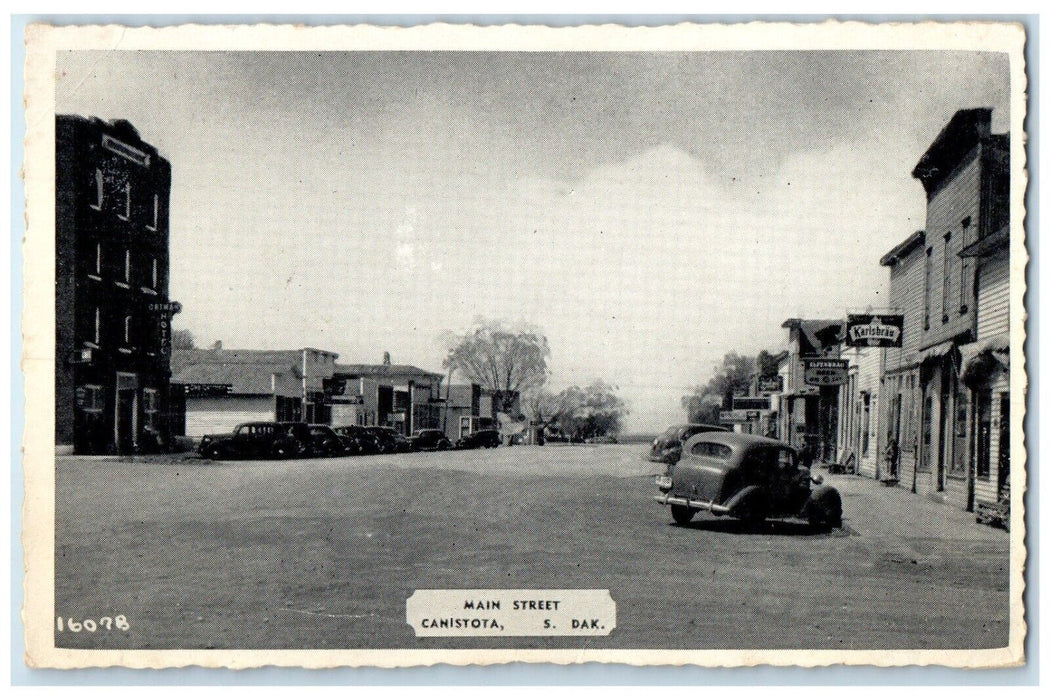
<point x="323" y="554"/>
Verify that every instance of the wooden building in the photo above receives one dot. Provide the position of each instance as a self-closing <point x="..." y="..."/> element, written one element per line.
<point x="965" y="173"/>
<point x="985" y="370"/>
<point x="901" y="389"/>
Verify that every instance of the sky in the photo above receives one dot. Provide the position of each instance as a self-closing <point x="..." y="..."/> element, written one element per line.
<point x="650" y="212"/>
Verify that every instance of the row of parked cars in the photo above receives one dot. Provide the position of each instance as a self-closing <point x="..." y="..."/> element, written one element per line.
<point x="287" y="440"/>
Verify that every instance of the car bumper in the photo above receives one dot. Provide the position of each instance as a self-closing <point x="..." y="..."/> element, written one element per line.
<point x="669" y="500"/>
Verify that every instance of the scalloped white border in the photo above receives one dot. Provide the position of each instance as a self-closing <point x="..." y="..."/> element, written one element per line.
<point x="42" y="43"/>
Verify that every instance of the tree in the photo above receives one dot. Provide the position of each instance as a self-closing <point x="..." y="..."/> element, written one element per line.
<point x="183" y="339"/>
<point x="508" y="361"/>
<point x="578" y="414"/>
<point x="731" y="377"/>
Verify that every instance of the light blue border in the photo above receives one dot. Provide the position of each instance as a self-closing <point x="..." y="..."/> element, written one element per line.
<point x="516" y="674"/>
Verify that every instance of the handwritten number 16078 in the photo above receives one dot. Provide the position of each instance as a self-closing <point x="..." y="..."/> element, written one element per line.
<point x="120" y="622"/>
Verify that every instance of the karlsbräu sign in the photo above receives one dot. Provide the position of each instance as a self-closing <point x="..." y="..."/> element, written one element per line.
<point x="874" y="330"/>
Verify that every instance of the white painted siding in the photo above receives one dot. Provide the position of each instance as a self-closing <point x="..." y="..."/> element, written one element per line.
<point x="993" y="296"/>
<point x="223" y="414"/>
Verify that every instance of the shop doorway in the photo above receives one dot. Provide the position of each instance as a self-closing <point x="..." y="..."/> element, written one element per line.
<point x="1004" y="447"/>
<point x="125" y="424"/>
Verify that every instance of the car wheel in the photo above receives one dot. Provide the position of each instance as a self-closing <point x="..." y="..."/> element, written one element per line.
<point x="213" y="452"/>
<point x="682" y="514"/>
<point x="282" y="451"/>
<point x="825" y="508"/>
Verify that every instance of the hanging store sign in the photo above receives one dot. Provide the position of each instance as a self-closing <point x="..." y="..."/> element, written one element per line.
<point x="164" y="310"/>
<point x="739" y="415"/>
<point x="874" y="330"/>
<point x="752" y="403"/>
<point x="771" y="385"/>
<point x="826" y="372"/>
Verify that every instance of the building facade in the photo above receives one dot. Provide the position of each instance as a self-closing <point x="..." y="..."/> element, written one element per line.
<point x="965" y="174"/>
<point x="901" y="406"/>
<point x="403" y="397"/>
<point x="222" y="388"/>
<point x="112" y="312"/>
<point x="985" y="370"/>
<point x="468" y="409"/>
<point x="809" y="413"/>
<point x="858" y="428"/>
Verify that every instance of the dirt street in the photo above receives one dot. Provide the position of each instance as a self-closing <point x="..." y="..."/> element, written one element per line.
<point x="323" y="553"/>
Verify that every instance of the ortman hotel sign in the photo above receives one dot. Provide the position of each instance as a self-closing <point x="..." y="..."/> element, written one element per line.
<point x="874" y="330"/>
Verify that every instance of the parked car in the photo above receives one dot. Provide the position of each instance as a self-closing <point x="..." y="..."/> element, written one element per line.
<point x="325" y="442"/>
<point x="390" y="439"/>
<point x="667" y="448"/>
<point x="360" y="439"/>
<point x="301" y="432"/>
<point x="479" y="438"/>
<point x="429" y="440"/>
<point x="259" y="440"/>
<point x="747" y="477"/>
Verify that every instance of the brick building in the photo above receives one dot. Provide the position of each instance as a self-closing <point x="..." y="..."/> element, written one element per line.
<point x="112" y="312"/>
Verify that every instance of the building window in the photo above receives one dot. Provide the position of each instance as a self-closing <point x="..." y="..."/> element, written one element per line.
<point x="97" y="206"/>
<point x="98" y="325"/>
<point x="156" y="213"/>
<point x="946" y="269"/>
<point x="90" y="398"/>
<point x="153" y="275"/>
<point x="126" y="214"/>
<point x="927" y="291"/>
<point x="127" y="330"/>
<point x="98" y="260"/>
<point x="127" y="266"/>
<point x="964" y="269"/>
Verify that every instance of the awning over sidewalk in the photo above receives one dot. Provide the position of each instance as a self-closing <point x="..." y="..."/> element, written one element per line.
<point x="981" y="357"/>
<point x="934" y="352"/>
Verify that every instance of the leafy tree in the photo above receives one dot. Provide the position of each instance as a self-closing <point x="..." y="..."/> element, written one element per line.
<point x="731" y="377"/>
<point x="506" y="360"/>
<point x="183" y="339"/>
<point x="581" y="413"/>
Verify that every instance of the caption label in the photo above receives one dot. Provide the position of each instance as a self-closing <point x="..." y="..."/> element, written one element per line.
<point x="511" y="613"/>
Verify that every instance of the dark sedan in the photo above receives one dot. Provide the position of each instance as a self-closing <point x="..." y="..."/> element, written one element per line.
<point x="427" y="440"/>
<point x="479" y="438"/>
<point x="667" y="448"/>
<point x="747" y="477"/>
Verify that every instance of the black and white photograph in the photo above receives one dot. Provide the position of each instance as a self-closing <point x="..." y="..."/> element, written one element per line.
<point x="688" y="344"/>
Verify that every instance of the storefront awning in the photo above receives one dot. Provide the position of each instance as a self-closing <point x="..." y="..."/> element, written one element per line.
<point x="980" y="357"/>
<point x="934" y="352"/>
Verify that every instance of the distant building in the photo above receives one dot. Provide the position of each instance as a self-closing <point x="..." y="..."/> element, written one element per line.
<point x="222" y="388"/>
<point x="468" y="409"/>
<point x="808" y="412"/>
<point x="404" y="397"/>
<point x="112" y="312"/>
